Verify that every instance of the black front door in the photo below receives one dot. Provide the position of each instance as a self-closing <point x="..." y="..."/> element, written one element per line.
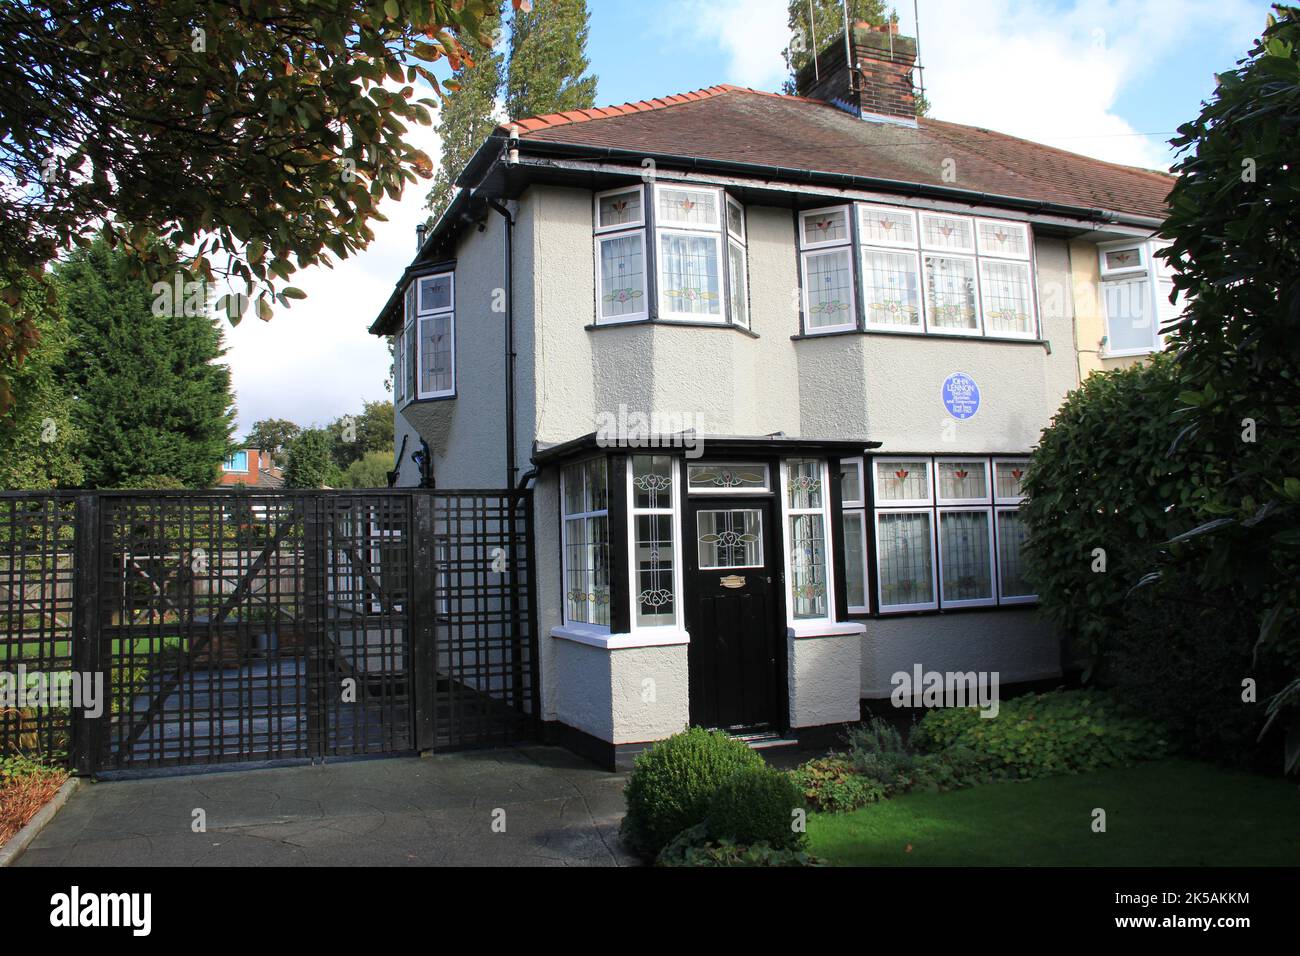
<point x="732" y="562"/>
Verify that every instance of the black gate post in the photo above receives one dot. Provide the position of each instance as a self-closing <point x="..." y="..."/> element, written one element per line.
<point x="422" y="619"/>
<point x="86" y="737"/>
<point x="311" y="510"/>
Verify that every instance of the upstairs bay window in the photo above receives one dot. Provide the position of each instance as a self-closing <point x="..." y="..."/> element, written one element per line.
<point x="697" y="247"/>
<point x="424" y="353"/>
<point x="916" y="271"/>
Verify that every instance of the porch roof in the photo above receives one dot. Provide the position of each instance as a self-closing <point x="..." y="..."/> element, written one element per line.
<point x="713" y="446"/>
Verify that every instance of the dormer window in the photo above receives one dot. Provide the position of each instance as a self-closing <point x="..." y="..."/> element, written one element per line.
<point x="424" y="354"/>
<point x="698" y="253"/>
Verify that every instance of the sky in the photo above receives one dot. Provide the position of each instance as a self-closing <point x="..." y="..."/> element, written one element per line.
<point x="1108" y="78"/>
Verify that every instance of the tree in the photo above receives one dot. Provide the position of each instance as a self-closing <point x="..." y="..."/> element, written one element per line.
<point x="37" y="438"/>
<point x="309" y="464"/>
<point x="262" y="132"/>
<point x="354" y="436"/>
<point x="272" y="435"/>
<point x="368" y="471"/>
<point x="1233" y="227"/>
<point x="151" y="397"/>
<point x="548" y="60"/>
<point x="829" y="22"/>
<point x="467" y="116"/>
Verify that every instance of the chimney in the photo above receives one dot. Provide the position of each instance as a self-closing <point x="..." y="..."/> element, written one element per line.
<point x="878" y="83"/>
<point x="420" y="230"/>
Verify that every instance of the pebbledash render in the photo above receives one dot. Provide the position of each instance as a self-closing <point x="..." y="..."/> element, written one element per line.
<point x="773" y="366"/>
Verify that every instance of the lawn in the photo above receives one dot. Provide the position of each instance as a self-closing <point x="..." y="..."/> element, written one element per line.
<point x="1169" y="813"/>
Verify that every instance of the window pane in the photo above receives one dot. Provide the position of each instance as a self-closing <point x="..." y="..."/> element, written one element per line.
<point x="410" y="354"/>
<point x="620" y="208"/>
<point x="1006" y="296"/>
<point x="735" y="219"/>
<point x="596" y="490"/>
<point x="886" y="226"/>
<point x="622" y="276"/>
<point x="729" y="539"/>
<point x="652" y="481"/>
<point x="950" y="292"/>
<point x="947" y="232"/>
<point x="829" y="226"/>
<point x="586" y="563"/>
<point x="964" y="555"/>
<point x="903" y="480"/>
<point x="906" y="568"/>
<point x="1012" y="533"/>
<point x="653" y="570"/>
<point x="808" y="566"/>
<point x="1117" y="259"/>
<point x="1128" y="315"/>
<point x="829" y="281"/>
<point x="1004" y="239"/>
<point x="804" y="483"/>
<point x="573" y="489"/>
<point x="435" y="354"/>
<point x="892" y="288"/>
<point x="719" y="477"/>
<point x="688" y="207"/>
<point x="960" y="480"/>
<point x="851" y="489"/>
<point x="855" y="559"/>
<point x="1008" y="476"/>
<point x="689" y="271"/>
<point x="739" y="285"/>
<point x="435" y="293"/>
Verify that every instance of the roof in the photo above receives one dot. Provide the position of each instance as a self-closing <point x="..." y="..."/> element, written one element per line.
<point x="733" y="124"/>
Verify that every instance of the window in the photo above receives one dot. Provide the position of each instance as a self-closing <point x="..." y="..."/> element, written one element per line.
<point x="951" y="298"/>
<point x="1135" y="297"/>
<point x="852" y="494"/>
<point x="808" y="557"/>
<point x="828" y="294"/>
<point x="730" y="539"/>
<point x="584" y="496"/>
<point x="424" y="353"/>
<point x="620" y="255"/>
<point x="949" y="532"/>
<point x="653" y="502"/>
<point x="689" y="231"/>
<point x="236" y="462"/>
<point x="726" y="478"/>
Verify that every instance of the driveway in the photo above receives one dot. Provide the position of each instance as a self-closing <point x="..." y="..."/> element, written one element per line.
<point x="521" y="806"/>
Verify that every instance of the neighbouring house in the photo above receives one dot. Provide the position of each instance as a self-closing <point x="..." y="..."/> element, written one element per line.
<point x="252" y="468"/>
<point x="773" y="366"/>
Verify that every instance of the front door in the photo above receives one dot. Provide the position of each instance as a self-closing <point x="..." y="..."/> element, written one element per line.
<point x="733" y="575"/>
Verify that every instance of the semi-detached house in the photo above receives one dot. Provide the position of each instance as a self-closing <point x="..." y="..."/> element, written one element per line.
<point x="772" y="366"/>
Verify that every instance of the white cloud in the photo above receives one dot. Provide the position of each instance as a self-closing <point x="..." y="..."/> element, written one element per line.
<point x="316" y="361"/>
<point x="752" y="32"/>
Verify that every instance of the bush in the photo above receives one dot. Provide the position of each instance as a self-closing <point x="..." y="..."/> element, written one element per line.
<point x="832" y="785"/>
<point x="955" y="769"/>
<point x="756" y="805"/>
<point x="673" y="782"/>
<point x="877" y="751"/>
<point x="694" y="847"/>
<point x="1039" y="735"/>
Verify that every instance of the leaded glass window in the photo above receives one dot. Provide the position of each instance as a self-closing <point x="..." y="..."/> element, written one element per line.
<point x="1012" y="533"/>
<point x="688" y="206"/>
<point x="622" y="280"/>
<point x="690" y="274"/>
<point x="1007" y="297"/>
<point x="806" y="508"/>
<point x="902" y="481"/>
<point x="585" y="505"/>
<point x="1006" y="240"/>
<point x="883" y="226"/>
<point x="619" y="209"/>
<point x="965" y="556"/>
<point x="654" y="552"/>
<point x="1009" y="476"/>
<point x="963" y="480"/>
<point x="436" y="355"/>
<point x="726" y="477"/>
<point x="891" y="289"/>
<point x="824" y="227"/>
<point x="739" y="283"/>
<point x="828" y="290"/>
<point x="729" y="539"/>
<point x="905" y="554"/>
<point x="947" y="233"/>
<point x="951" y="297"/>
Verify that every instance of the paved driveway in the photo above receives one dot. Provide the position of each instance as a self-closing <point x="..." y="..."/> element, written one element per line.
<point x="558" y="810"/>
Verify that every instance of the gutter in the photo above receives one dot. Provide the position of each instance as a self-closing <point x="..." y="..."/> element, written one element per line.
<point x="511" y="468"/>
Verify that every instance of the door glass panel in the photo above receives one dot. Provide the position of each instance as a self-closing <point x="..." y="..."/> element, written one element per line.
<point x="730" y="539"/>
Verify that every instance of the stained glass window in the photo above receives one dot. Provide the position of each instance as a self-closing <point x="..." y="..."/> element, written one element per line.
<point x="735" y="219"/>
<point x="728" y="478"/>
<point x="436" y="359"/>
<point x="739" y="281"/>
<point x="951" y="300"/>
<point x="1012" y="532"/>
<point x="690" y="274"/>
<point x="891" y="289"/>
<point x="804" y="483"/>
<point x="1008" y="240"/>
<point x="882" y="226"/>
<point x="1009" y="476"/>
<point x="586" y="543"/>
<point x="654" y="562"/>
<point x="806" y="506"/>
<point x="682" y="206"/>
<point x="965" y="560"/>
<point x="435" y="293"/>
<point x="825" y="227"/>
<point x="729" y="539"/>
<point x="828" y="288"/>
<point x="1123" y="260"/>
<point x="622" y="289"/>
<point x="902" y="480"/>
<point x="947" y="233"/>
<point x="1006" y="297"/>
<point x="963" y="480"/>
<point x="851" y="489"/>
<point x="906" y="559"/>
<point x="621" y="208"/>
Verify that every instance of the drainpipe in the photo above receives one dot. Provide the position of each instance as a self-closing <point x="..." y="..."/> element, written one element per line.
<point x="511" y="469"/>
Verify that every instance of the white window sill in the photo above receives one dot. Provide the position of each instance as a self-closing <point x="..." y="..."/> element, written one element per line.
<point x="802" y="629"/>
<point x="652" y="637"/>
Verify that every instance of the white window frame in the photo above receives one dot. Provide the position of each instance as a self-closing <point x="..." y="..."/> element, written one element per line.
<point x="993" y="486"/>
<point x="674" y="511"/>
<point x="933" y="603"/>
<point x="565" y="518"/>
<point x="428" y="315"/>
<point x="1032" y="332"/>
<point x="895" y="247"/>
<point x="940" y="500"/>
<point x="719" y="204"/>
<point x="787" y="512"/>
<point x="1147" y="272"/>
<point x="601" y="239"/>
<point x="992" y="599"/>
<point x="598" y="229"/>
<point x="852" y="323"/>
<point x="930" y="327"/>
<point x="739" y="236"/>
<point x="733" y="465"/>
<point x="826" y="243"/>
<point x="762" y="553"/>
<point x="948" y="250"/>
<point x="738" y="244"/>
<point x="997" y="562"/>
<point x="1139" y="245"/>
<point x="227" y="465"/>
<point x="451" y="297"/>
<point x="858" y="506"/>
<point x="865" y="209"/>
<point x="720" y="318"/>
<point x="1021" y="227"/>
<point x="893" y="460"/>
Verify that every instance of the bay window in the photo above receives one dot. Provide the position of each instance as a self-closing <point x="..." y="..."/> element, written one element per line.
<point x="584" y="497"/>
<point x="826" y="254"/>
<point x="424" y="352"/>
<point x="854" y="525"/>
<point x="654" y="502"/>
<point x="949" y="532"/>
<point x="807" y="515"/>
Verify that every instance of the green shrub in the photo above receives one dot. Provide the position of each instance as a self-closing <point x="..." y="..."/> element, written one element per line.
<point x="1039" y="735"/>
<point x="877" y="751"/>
<point x="673" y="782"/>
<point x="955" y="769"/>
<point x="694" y="847"/>
<point x="756" y="805"/>
<point x="832" y="785"/>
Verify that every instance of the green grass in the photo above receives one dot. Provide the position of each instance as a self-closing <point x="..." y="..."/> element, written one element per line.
<point x="1170" y="813"/>
<point x="63" y="649"/>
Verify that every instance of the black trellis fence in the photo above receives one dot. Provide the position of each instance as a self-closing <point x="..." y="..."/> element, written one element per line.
<point x="159" y="629"/>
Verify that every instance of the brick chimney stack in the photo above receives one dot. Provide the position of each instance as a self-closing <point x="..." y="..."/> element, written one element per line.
<point x="878" y="84"/>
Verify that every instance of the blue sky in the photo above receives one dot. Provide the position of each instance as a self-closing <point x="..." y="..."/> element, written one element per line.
<point x="1091" y="77"/>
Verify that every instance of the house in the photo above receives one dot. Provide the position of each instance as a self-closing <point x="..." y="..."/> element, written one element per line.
<point x="773" y="366"/>
<point x="251" y="468"/>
